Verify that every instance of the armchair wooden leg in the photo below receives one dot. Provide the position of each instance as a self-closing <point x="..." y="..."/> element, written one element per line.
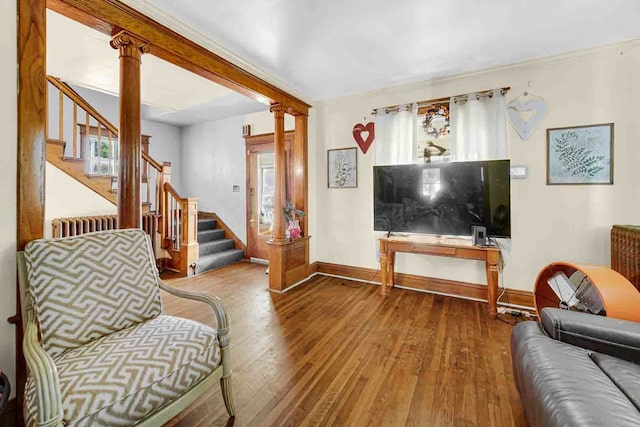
<point x="227" y="395"/>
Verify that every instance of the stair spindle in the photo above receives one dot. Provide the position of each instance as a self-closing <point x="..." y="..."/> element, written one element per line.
<point x="112" y="156"/>
<point x="100" y="150"/>
<point x="87" y="120"/>
<point x="61" y="123"/>
<point x="75" y="130"/>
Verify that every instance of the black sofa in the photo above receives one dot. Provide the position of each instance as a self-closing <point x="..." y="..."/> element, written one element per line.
<point x="577" y="369"/>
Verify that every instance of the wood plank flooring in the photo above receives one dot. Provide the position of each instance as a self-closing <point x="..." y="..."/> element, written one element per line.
<point x="333" y="352"/>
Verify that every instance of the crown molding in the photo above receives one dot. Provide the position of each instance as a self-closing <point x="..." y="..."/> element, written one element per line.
<point x="528" y="64"/>
<point x="197" y="37"/>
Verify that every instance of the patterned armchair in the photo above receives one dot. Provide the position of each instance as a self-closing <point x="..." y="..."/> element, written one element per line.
<point x="99" y="349"/>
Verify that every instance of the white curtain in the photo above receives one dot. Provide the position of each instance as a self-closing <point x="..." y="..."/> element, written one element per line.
<point x="396" y="136"/>
<point x="396" y="143"/>
<point x="478" y="127"/>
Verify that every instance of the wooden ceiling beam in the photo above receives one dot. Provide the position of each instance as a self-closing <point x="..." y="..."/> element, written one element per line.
<point x="111" y="16"/>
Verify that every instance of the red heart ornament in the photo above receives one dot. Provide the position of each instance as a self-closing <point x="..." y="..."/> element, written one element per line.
<point x="370" y="132"/>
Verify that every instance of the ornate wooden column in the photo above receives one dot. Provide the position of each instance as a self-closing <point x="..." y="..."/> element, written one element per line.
<point x="278" y="242"/>
<point x="288" y="260"/>
<point x="300" y="174"/>
<point x="279" y="201"/>
<point x="129" y="202"/>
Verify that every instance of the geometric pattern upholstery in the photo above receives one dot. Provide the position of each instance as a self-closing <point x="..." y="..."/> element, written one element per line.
<point x="86" y="287"/>
<point x="121" y="378"/>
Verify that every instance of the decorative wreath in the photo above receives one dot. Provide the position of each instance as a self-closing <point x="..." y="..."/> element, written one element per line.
<point x="433" y="111"/>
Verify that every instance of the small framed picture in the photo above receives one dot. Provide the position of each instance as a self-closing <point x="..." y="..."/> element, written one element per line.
<point x="580" y="155"/>
<point x="342" y="168"/>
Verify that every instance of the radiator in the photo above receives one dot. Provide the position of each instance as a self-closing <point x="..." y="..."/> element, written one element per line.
<point x="65" y="227"/>
<point x="625" y="252"/>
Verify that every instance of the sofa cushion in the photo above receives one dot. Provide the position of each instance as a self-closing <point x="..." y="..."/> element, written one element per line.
<point x="560" y="385"/>
<point x="89" y="286"/>
<point x="128" y="375"/>
<point x="625" y="375"/>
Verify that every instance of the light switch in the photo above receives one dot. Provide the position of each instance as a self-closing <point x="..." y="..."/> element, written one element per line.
<point x="519" y="171"/>
<point x="236" y="188"/>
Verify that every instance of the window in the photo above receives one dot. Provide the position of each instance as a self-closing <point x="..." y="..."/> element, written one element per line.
<point x="434" y="131"/>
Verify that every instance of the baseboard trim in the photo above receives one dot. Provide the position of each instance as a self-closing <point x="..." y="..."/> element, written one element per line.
<point x="295" y="285"/>
<point x="512" y="297"/>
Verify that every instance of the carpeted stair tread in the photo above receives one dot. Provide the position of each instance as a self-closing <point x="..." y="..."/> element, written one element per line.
<point x="215" y="246"/>
<point x="219" y="259"/>
<point x="210" y="235"/>
<point x="205" y="224"/>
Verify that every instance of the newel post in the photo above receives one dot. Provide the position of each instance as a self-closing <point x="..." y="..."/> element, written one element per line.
<point x="189" y="248"/>
<point x="131" y="49"/>
<point x="161" y="204"/>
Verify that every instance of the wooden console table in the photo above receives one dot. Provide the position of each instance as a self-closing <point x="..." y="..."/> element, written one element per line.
<point x="440" y="246"/>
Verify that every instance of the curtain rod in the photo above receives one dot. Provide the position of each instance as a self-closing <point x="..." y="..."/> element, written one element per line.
<point x="392" y="108"/>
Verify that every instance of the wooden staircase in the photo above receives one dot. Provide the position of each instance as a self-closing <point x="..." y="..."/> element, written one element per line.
<point x="103" y="185"/>
<point x="216" y="250"/>
<point x="88" y="152"/>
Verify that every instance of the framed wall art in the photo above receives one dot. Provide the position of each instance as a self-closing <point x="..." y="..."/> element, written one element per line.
<point x="342" y="168"/>
<point x="580" y="155"/>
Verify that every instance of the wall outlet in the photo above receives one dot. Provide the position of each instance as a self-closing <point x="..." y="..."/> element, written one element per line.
<point x="236" y="188"/>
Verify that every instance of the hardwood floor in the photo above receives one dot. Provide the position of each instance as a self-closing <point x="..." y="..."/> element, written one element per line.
<point x="333" y="352"/>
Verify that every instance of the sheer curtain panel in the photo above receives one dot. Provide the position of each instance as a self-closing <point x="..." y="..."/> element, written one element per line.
<point x="396" y="135"/>
<point x="478" y="126"/>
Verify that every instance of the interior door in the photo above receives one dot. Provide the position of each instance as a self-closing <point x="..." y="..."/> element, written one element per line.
<point x="261" y="180"/>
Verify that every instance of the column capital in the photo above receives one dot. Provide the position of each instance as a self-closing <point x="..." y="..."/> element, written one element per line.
<point x="129" y="45"/>
<point x="278" y="110"/>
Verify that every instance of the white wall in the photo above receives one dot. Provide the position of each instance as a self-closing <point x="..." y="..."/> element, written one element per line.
<point x="549" y="223"/>
<point x="214" y="156"/>
<point x="8" y="166"/>
<point x="65" y="197"/>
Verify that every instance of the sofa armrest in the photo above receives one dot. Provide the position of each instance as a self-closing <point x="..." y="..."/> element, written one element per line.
<point x="618" y="338"/>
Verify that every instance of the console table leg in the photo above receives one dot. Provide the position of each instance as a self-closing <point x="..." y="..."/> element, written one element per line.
<point x="391" y="266"/>
<point x="383" y="273"/>
<point x="492" y="289"/>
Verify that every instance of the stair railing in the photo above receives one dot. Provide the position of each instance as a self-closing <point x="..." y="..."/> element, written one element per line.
<point x="176" y="217"/>
<point x="95" y="125"/>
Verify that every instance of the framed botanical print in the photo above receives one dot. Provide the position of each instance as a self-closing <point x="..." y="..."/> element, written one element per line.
<point x="580" y="155"/>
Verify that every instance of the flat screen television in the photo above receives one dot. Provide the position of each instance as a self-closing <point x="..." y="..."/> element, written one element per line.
<point x="443" y="198"/>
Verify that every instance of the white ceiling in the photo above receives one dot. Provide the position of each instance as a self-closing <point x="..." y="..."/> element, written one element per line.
<point x="169" y="93"/>
<point x="331" y="48"/>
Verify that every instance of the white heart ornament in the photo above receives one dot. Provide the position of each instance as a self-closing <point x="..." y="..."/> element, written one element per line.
<point x="537" y="108"/>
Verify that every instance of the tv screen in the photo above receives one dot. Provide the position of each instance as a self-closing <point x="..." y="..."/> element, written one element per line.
<point x="443" y="198"/>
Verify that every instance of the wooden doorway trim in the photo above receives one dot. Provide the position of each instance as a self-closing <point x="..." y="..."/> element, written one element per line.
<point x="111" y="16"/>
<point x="32" y="116"/>
<point x="262" y="143"/>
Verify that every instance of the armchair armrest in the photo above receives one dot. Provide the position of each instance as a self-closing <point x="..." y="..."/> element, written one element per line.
<point x="221" y="318"/>
<point x="45" y="377"/>
<point x="618" y="338"/>
<point x="213" y="302"/>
